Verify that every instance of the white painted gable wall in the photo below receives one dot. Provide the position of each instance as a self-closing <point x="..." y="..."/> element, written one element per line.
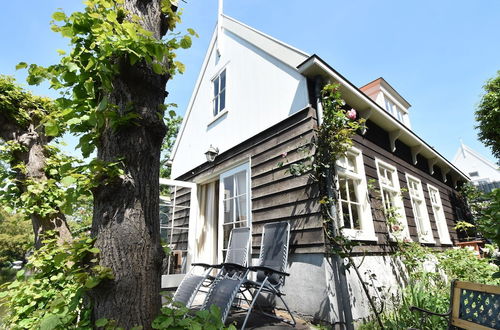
<point x="260" y="92"/>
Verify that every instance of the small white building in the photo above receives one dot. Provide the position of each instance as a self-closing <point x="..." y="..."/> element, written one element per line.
<point x="482" y="172"/>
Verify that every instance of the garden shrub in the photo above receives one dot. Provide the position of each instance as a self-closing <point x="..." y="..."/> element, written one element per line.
<point x="430" y="289"/>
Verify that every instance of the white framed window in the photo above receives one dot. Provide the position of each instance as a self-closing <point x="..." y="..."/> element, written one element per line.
<point x="219" y="93"/>
<point x="395" y="110"/>
<point x="392" y="200"/>
<point x="419" y="208"/>
<point x="438" y="212"/>
<point x="234" y="199"/>
<point x="175" y="226"/>
<point x="354" y="206"/>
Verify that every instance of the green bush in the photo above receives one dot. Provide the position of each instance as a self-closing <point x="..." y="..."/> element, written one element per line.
<point x="431" y="289"/>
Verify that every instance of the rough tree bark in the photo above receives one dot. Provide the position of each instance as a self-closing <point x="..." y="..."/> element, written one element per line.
<point x="126" y="211"/>
<point x="33" y="156"/>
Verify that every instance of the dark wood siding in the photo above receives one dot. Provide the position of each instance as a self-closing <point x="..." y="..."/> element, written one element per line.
<point x="276" y="194"/>
<point x="374" y="144"/>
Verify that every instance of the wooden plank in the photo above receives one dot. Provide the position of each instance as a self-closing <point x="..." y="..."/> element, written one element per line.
<point x="273" y="163"/>
<point x="301" y="141"/>
<point x="478" y="287"/>
<point x="280" y="211"/>
<point x="295" y="182"/>
<point x="288" y="196"/>
<point x="309" y="221"/>
<point x="468" y="325"/>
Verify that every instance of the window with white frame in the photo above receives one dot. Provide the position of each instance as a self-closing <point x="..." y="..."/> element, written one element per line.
<point x="419" y="208"/>
<point x="392" y="200"/>
<point x="356" y="218"/>
<point x="437" y="210"/>
<point x="235" y="204"/>
<point x="175" y="212"/>
<point x="219" y="88"/>
<point x="395" y="110"/>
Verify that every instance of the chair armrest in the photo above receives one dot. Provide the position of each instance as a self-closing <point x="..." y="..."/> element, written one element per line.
<point x="202" y="265"/>
<point x="415" y="308"/>
<point x="233" y="266"/>
<point x="267" y="270"/>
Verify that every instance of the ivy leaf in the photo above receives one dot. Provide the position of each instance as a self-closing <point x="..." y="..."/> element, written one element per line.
<point x="21" y="65"/>
<point x="59" y="16"/>
<point x="191" y="32"/>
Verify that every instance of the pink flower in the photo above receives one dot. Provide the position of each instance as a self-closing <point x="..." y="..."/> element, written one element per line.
<point x="396" y="228"/>
<point x="284" y="154"/>
<point x="351" y="114"/>
<point x="406" y="240"/>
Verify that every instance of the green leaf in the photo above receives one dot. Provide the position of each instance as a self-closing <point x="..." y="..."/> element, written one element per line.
<point x="158" y="68"/>
<point x="59" y="16"/>
<point x="185" y="42"/>
<point x="61" y="52"/>
<point x="180" y="67"/>
<point x="51" y="128"/>
<point x="191" y="31"/>
<point x="50" y="322"/>
<point x="72" y="67"/>
<point x="68" y="181"/>
<point x="92" y="282"/>
<point x="21" y="65"/>
<point x="94" y="250"/>
<point x="101" y="322"/>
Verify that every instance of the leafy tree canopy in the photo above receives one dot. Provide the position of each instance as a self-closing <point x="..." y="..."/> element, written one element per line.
<point x="488" y="115"/>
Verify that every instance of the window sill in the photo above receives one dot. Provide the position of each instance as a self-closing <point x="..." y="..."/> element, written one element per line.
<point x="219" y="115"/>
<point x="446" y="242"/>
<point x="358" y="235"/>
<point x="424" y="241"/>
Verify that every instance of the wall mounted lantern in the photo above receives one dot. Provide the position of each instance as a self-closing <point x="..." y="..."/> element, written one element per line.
<point x="211" y="153"/>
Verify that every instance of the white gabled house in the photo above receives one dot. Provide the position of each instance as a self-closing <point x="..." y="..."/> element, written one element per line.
<point x="256" y="103"/>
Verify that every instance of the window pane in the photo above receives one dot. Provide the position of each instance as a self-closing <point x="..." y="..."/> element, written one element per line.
<point x="222" y="98"/>
<point x="223" y="80"/>
<point x="226" y="232"/>
<point x="343" y="188"/>
<point x="216" y="86"/>
<point x="355" y="209"/>
<point x="216" y="106"/>
<point x="241" y="183"/>
<point x="228" y="187"/>
<point x="345" y="215"/>
<point x="351" y="163"/>
<point x="352" y="191"/>
<point x="228" y="211"/>
<point x="241" y="208"/>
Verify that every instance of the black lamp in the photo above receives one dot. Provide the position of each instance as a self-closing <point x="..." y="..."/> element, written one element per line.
<point x="211" y="153"/>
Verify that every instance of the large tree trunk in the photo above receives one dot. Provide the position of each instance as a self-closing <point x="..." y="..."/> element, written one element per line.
<point x="33" y="157"/>
<point x="126" y="211"/>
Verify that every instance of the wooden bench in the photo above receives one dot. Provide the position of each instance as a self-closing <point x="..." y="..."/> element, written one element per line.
<point x="472" y="306"/>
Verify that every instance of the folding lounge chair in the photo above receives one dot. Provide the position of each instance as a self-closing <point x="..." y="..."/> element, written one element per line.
<point x="237" y="254"/>
<point x="270" y="275"/>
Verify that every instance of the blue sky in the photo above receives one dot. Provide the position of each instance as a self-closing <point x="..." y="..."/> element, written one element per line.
<point x="436" y="54"/>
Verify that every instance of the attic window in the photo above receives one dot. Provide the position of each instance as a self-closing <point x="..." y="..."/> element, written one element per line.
<point x="394" y="110"/>
<point x="474" y="174"/>
<point x="219" y="86"/>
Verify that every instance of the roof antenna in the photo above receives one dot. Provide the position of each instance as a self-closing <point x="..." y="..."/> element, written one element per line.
<point x="219" y="27"/>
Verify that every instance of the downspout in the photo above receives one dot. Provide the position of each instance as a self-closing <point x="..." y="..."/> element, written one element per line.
<point x="337" y="263"/>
